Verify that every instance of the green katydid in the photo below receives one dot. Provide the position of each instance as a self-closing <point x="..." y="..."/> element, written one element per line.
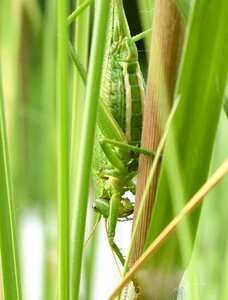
<point x="119" y="125"/>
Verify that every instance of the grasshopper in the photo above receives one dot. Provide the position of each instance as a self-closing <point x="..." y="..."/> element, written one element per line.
<point x="119" y="126"/>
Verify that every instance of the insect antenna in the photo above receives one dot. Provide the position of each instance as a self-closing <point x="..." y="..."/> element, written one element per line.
<point x="93" y="230"/>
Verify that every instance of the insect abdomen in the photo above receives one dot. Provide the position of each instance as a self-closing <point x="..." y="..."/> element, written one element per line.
<point x="134" y="99"/>
<point x="113" y="93"/>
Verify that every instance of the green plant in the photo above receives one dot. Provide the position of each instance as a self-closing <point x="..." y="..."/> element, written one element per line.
<point x="195" y="143"/>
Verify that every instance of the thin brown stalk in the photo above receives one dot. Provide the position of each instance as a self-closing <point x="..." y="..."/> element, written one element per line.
<point x="164" y="61"/>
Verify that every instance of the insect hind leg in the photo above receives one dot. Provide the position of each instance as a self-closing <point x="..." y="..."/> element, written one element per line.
<point x="113" y="157"/>
<point x="127" y="147"/>
<point x="116" y="249"/>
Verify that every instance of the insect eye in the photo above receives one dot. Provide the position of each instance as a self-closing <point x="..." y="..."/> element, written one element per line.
<point x="94" y="207"/>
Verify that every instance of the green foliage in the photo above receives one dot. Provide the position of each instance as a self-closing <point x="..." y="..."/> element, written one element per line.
<point x="196" y="144"/>
<point x="201" y="87"/>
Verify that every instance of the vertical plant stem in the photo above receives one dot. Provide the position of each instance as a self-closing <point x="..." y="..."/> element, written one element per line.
<point x="81" y="45"/>
<point x="86" y="146"/>
<point x="80" y="7"/>
<point x="48" y="147"/>
<point x="8" y="243"/>
<point x="164" y="62"/>
<point x="63" y="153"/>
<point x="145" y="13"/>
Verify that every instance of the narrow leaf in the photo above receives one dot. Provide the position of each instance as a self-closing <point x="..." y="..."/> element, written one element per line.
<point x="8" y="243"/>
<point x="86" y="146"/>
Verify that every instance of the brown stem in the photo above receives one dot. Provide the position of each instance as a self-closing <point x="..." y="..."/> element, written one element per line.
<point x="166" y="45"/>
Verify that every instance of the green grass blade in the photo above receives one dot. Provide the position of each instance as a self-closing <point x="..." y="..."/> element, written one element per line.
<point x="78" y="11"/>
<point x="47" y="146"/>
<point x="184" y="8"/>
<point x="77" y="63"/>
<point x="8" y="243"/>
<point x="188" y="151"/>
<point x="146" y="15"/>
<point x="211" y="269"/>
<point x="63" y="152"/>
<point x="81" y="46"/>
<point x="86" y="146"/>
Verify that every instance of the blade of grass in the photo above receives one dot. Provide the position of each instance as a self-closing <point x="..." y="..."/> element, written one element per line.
<point x="86" y="146"/>
<point x="79" y="10"/>
<point x="63" y="152"/>
<point x="14" y="32"/>
<point x="146" y="16"/>
<point x="8" y="242"/>
<point x="81" y="46"/>
<point x="211" y="232"/>
<point x="77" y="63"/>
<point x="215" y="220"/>
<point x="48" y="149"/>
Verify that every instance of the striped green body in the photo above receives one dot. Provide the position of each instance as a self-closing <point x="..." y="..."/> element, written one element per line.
<point x="123" y="91"/>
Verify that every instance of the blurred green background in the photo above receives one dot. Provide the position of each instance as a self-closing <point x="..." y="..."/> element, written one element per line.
<point x="28" y="54"/>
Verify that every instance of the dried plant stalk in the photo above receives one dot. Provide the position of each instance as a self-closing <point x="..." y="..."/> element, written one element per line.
<point x="166" y="45"/>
